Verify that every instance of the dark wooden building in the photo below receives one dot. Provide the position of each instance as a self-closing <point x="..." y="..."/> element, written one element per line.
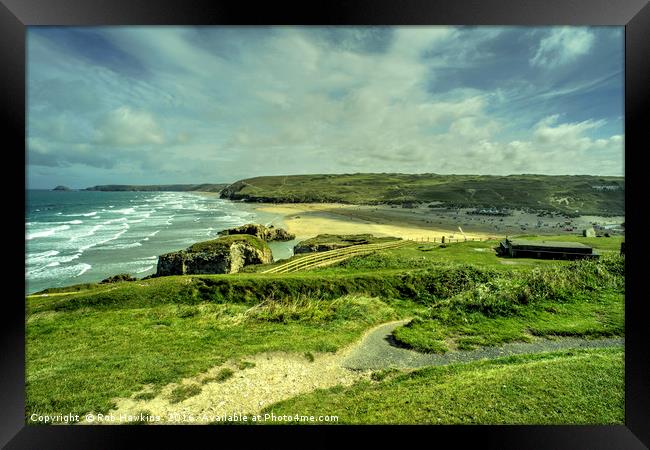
<point x="522" y="248"/>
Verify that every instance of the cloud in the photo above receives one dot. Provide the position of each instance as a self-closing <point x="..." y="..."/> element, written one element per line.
<point x="223" y="103"/>
<point x="562" y="46"/>
<point x="125" y="127"/>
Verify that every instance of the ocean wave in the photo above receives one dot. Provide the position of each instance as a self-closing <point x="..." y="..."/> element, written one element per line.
<point x="41" y="255"/>
<point x="91" y="232"/>
<point x="112" y="238"/>
<point x="123" y="211"/>
<point x="57" y="271"/>
<point x="154" y="233"/>
<point x="90" y="214"/>
<point x="144" y="269"/>
<point x="121" y="219"/>
<point x="123" y="246"/>
<point x="84" y="268"/>
<point x="46" y="233"/>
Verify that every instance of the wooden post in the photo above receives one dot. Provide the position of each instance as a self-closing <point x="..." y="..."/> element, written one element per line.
<point x="443" y="239"/>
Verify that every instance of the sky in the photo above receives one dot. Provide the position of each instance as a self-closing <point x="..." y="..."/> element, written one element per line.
<point x="163" y="105"/>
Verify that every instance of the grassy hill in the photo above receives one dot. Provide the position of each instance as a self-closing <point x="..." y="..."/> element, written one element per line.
<point x="579" y="194"/>
<point x="90" y="344"/>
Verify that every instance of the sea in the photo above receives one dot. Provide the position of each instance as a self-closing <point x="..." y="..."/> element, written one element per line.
<point x="74" y="237"/>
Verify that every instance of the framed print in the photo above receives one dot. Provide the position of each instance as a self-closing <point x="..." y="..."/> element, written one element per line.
<point x="401" y="218"/>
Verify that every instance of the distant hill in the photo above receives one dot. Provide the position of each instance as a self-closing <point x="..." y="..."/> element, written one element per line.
<point x="61" y="188"/>
<point x="159" y="187"/>
<point x="568" y="194"/>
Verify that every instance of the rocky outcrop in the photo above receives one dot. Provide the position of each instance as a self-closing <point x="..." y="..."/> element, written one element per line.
<point x="325" y="242"/>
<point x="61" y="188"/>
<point x="227" y="254"/>
<point x="265" y="233"/>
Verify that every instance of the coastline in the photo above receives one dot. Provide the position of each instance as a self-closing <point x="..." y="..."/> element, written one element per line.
<point x="307" y="220"/>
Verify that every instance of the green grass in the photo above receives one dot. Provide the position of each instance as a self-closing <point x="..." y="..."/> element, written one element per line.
<point x="242" y="365"/>
<point x="612" y="243"/>
<point x="87" y="345"/>
<point x="252" y="289"/>
<point x="432" y="256"/>
<point x="184" y="392"/>
<point x="569" y="387"/>
<point x="582" y="299"/>
<point x="535" y="192"/>
<point x="345" y="240"/>
<point x="79" y="360"/>
<point x="220" y="377"/>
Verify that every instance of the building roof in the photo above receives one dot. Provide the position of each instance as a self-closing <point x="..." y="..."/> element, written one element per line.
<point x="547" y="244"/>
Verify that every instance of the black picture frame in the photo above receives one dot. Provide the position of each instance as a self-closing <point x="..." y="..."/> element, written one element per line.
<point x="16" y="15"/>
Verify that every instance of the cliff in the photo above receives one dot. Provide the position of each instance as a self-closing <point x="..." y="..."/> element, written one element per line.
<point x="227" y="254"/>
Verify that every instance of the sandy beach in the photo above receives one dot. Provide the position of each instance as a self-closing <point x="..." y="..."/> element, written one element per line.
<point x="306" y="220"/>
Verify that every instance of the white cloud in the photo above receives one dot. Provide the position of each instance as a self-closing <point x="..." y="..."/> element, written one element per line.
<point x="126" y="127"/>
<point x="289" y="104"/>
<point x="562" y="46"/>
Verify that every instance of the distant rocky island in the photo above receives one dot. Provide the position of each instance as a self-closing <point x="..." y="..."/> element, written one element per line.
<point x="61" y="188"/>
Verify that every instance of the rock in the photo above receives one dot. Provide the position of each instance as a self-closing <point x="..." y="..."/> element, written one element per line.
<point x="118" y="278"/>
<point x="265" y="233"/>
<point x="61" y="188"/>
<point x="228" y="254"/>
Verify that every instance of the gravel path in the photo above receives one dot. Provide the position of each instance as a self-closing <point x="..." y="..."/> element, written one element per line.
<point x="380" y="351"/>
<point x="278" y="376"/>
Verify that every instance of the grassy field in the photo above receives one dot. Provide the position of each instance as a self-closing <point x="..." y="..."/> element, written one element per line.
<point x="569" y="387"/>
<point x="582" y="298"/>
<point x="602" y="244"/>
<point x="89" y="344"/>
<point x="564" y="194"/>
<point x="77" y="361"/>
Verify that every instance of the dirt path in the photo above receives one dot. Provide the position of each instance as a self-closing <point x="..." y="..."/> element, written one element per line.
<point x="271" y="377"/>
<point x="380" y="351"/>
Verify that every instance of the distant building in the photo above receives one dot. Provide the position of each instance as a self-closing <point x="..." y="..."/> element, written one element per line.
<point x="521" y="248"/>
<point x="589" y="232"/>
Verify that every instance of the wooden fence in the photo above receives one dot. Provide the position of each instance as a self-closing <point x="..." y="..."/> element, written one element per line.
<point x="448" y="240"/>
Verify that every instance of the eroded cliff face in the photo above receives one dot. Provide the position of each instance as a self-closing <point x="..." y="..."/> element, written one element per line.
<point x="224" y="255"/>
